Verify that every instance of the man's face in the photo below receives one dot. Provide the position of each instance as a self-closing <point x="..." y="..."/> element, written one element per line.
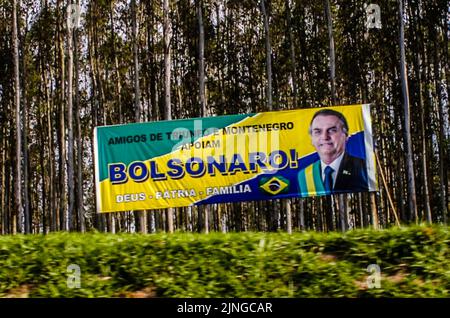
<point x="328" y="137"/>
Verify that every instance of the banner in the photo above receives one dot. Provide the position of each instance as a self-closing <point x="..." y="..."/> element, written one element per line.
<point x="245" y="157"/>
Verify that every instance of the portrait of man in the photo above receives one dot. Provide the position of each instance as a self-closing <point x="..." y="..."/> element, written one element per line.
<point x="336" y="171"/>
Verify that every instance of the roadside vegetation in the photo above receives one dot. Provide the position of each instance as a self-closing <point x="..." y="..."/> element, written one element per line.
<point x="414" y="262"/>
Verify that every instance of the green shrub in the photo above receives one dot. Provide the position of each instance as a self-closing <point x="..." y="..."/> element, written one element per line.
<point x="414" y="262"/>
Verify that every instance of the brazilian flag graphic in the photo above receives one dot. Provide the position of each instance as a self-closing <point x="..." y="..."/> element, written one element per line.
<point x="274" y="185"/>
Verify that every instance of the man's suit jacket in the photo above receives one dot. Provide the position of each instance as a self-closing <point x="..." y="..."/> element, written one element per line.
<point x="351" y="177"/>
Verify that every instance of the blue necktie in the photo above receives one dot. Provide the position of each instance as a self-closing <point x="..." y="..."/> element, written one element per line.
<point x="328" y="182"/>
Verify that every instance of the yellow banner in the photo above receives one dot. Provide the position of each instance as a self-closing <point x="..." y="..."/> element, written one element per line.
<point x="234" y="158"/>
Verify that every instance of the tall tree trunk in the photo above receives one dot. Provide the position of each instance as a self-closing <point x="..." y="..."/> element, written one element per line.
<point x="44" y="173"/>
<point x="407" y="123"/>
<point x="26" y="177"/>
<point x="442" y="143"/>
<point x="374" y="214"/>
<point x="11" y="211"/>
<point x="116" y="70"/>
<point x="51" y="167"/>
<point x="167" y="30"/>
<point x="70" y="142"/>
<point x="95" y="100"/>
<point x="272" y="207"/>
<point x="446" y="67"/>
<point x="268" y="56"/>
<point x="62" y="128"/>
<point x="331" y="52"/>
<point x="137" y="96"/>
<point x="18" y="177"/>
<point x="79" y="140"/>
<point x="153" y="91"/>
<point x="417" y="68"/>
<point x="305" y="61"/>
<point x="201" y="58"/>
<point x="301" y="215"/>
<point x="137" y="91"/>
<point x="287" y="202"/>
<point x="201" y="72"/>
<point x="3" y="196"/>
<point x="26" y="164"/>
<point x="152" y="70"/>
<point x="116" y="64"/>
<point x="440" y="91"/>
<point x="292" y="51"/>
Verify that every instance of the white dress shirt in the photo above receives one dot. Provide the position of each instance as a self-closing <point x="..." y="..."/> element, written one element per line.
<point x="334" y="165"/>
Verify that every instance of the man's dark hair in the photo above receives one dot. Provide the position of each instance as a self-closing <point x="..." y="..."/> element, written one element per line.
<point x="330" y="112"/>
